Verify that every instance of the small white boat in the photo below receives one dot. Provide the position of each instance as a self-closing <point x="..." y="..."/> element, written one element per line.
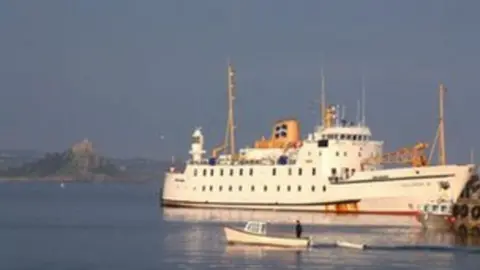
<point x="255" y="233"/>
<point x="436" y="214"/>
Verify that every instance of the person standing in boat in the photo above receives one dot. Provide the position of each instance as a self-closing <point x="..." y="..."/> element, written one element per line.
<point x="298" y="229"/>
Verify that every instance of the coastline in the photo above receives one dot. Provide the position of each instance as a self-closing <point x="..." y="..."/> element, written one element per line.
<point x="57" y="179"/>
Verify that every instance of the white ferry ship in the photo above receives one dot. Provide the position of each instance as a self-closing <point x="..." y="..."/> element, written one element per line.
<point x="338" y="167"/>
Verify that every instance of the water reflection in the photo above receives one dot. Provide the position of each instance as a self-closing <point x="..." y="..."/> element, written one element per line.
<point x="235" y="216"/>
<point x="197" y="239"/>
<point x="289" y="255"/>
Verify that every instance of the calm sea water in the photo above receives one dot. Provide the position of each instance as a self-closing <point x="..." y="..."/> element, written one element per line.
<point x="121" y="226"/>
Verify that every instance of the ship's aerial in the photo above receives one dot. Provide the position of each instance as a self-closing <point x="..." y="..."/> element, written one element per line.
<point x="338" y="167"/>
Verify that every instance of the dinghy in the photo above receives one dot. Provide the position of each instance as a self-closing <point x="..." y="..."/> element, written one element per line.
<point x="255" y="233"/>
<point x="350" y="245"/>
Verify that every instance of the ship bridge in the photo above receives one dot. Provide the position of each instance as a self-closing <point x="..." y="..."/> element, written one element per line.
<point x="353" y="133"/>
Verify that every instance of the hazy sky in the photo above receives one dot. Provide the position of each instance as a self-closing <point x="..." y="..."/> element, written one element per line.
<point x="124" y="73"/>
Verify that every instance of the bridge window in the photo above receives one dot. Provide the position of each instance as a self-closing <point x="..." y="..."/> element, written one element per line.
<point x="204" y="172"/>
<point x="195" y="172"/>
<point x="221" y="172"/>
<point x="288" y="188"/>
<point x="322" y="143"/>
<point x="230" y="188"/>
<point x="265" y="188"/>
<point x="231" y="172"/>
<point x="251" y="172"/>
<point x="314" y="171"/>
<point x="300" y="171"/>
<point x="252" y="188"/>
<point x="274" y="171"/>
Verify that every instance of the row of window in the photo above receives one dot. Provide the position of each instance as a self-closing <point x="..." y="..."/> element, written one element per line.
<point x="346" y="137"/>
<point x="250" y="172"/>
<point x="347" y="171"/>
<point x="265" y="188"/>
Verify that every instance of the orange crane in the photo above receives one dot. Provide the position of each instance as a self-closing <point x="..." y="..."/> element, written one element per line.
<point x="414" y="155"/>
<point x="409" y="155"/>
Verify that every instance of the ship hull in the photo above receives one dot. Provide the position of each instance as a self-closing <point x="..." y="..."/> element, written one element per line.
<point x="388" y="192"/>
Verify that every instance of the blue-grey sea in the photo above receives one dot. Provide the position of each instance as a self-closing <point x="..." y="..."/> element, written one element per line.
<point x="121" y="226"/>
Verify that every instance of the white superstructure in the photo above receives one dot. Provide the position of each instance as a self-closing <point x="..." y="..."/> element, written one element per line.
<point x="336" y="168"/>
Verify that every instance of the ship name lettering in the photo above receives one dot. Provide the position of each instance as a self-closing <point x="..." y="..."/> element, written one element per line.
<point x="380" y="177"/>
<point x="414" y="184"/>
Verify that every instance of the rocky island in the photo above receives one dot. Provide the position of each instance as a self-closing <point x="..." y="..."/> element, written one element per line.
<point x="79" y="163"/>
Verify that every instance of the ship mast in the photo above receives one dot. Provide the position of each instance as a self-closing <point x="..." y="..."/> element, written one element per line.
<point x="440" y="135"/>
<point x="229" y="139"/>
<point x="322" y="99"/>
<point x="231" y="97"/>
<point x="442" y="158"/>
